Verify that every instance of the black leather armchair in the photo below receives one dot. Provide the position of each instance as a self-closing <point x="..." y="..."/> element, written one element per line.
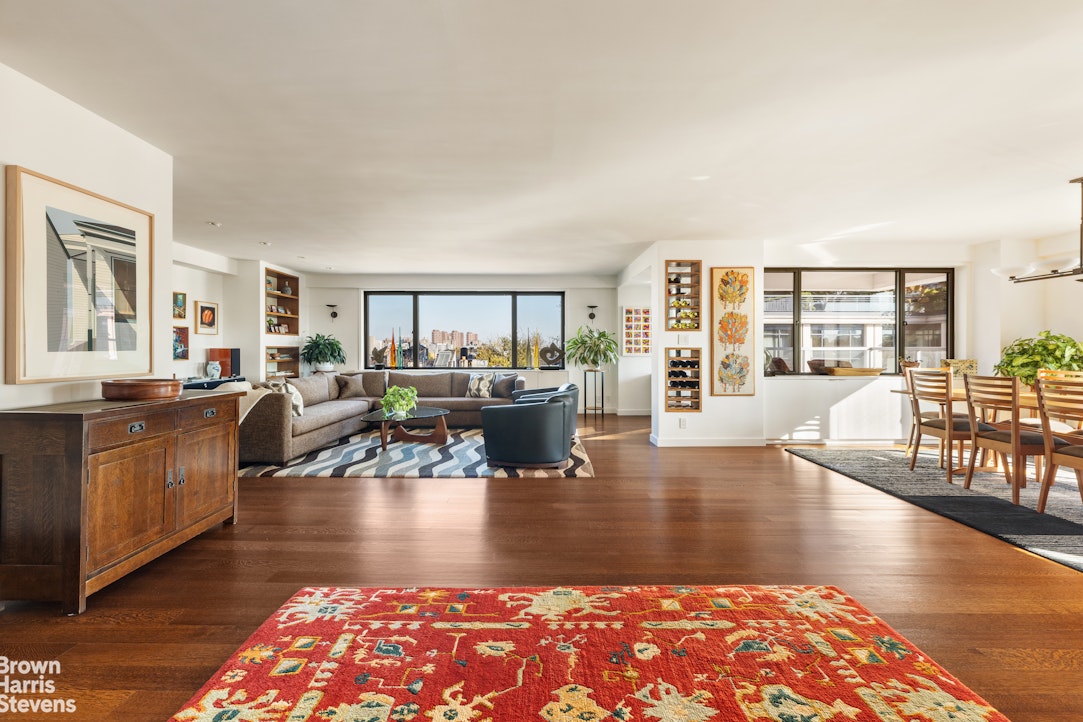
<point x="532" y="395"/>
<point x="533" y="432"/>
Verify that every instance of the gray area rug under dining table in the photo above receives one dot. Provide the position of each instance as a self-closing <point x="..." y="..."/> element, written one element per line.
<point x="1056" y="534"/>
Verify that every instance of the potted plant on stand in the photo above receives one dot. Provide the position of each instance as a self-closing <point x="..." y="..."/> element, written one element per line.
<point x="1024" y="356"/>
<point x="591" y="347"/>
<point x="323" y="352"/>
<point x="398" y="400"/>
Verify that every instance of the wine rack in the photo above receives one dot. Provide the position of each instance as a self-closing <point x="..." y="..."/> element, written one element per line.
<point x="683" y="291"/>
<point x="683" y="367"/>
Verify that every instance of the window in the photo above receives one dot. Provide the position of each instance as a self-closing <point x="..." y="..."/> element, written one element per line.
<point x="858" y="316"/>
<point x="456" y="330"/>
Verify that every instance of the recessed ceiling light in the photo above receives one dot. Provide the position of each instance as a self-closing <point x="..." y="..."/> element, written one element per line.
<point x="216" y="224"/>
<point x="265" y="243"/>
<point x="699" y="177"/>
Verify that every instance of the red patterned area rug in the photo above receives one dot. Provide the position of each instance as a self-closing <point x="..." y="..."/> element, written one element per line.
<point x="569" y="654"/>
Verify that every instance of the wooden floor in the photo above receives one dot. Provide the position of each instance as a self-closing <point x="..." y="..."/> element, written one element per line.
<point x="1009" y="624"/>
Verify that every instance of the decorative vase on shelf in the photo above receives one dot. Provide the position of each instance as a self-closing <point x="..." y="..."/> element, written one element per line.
<point x="214" y="369"/>
<point x="287" y="290"/>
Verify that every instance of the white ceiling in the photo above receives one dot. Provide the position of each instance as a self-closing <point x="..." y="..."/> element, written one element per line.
<point x="565" y="136"/>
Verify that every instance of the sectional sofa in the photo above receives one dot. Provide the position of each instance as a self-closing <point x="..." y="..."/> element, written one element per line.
<point x="325" y="407"/>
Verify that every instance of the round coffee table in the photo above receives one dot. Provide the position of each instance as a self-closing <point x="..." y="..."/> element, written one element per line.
<point x="399" y="433"/>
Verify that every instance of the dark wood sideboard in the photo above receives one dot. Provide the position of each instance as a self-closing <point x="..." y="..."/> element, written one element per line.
<point x="92" y="490"/>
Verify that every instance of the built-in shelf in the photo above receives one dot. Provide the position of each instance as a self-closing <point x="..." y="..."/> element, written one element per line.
<point x="683" y="379"/>
<point x="282" y="318"/>
<point x="683" y="291"/>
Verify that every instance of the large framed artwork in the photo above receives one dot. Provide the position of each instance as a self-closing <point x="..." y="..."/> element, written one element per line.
<point x="733" y="329"/>
<point x="637" y="331"/>
<point x="78" y="280"/>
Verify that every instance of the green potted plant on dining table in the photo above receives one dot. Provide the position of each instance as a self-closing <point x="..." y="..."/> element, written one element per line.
<point x="1023" y="357"/>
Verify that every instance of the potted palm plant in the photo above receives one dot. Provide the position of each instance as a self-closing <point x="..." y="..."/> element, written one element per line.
<point x="591" y="347"/>
<point x="1024" y="356"/>
<point x="323" y="352"/>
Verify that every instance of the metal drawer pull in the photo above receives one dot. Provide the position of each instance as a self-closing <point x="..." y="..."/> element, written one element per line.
<point x="169" y="479"/>
<point x="181" y="475"/>
<point x="210" y="413"/>
<point x="137" y="427"/>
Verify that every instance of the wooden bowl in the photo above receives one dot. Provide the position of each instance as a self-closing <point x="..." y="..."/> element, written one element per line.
<point x="140" y="389"/>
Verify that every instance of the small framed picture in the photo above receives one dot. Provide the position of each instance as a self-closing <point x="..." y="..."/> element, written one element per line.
<point x="206" y="317"/>
<point x="180" y="305"/>
<point x="180" y="343"/>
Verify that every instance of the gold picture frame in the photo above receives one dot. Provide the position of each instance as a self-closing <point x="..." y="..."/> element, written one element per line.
<point x="206" y="317"/>
<point x="78" y="283"/>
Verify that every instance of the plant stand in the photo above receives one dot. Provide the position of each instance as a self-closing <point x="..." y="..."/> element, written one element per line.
<point x="597" y="395"/>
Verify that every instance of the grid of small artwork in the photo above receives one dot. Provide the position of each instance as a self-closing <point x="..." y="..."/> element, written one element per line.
<point x="637" y="331"/>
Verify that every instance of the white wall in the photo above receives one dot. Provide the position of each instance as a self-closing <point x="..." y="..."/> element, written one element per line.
<point x="722" y="420"/>
<point x="44" y="132"/>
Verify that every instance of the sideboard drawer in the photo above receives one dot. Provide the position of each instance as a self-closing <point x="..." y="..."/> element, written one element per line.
<point x="110" y="432"/>
<point x="208" y="411"/>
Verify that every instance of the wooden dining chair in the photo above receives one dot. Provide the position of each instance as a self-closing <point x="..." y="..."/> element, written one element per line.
<point x="1060" y="400"/>
<point x="919" y="414"/>
<point x="995" y="415"/>
<point x="934" y="388"/>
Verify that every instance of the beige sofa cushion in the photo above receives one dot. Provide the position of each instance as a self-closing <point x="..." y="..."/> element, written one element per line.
<point x="437" y="384"/>
<point x="314" y="389"/>
<point x="351" y="387"/>
<point x="327" y="413"/>
<point x="375" y="382"/>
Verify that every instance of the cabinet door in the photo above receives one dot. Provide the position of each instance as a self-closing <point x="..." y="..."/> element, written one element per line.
<point x="206" y="472"/>
<point x="129" y="500"/>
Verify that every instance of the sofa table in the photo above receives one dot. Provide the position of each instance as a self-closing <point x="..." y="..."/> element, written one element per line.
<point x="399" y="433"/>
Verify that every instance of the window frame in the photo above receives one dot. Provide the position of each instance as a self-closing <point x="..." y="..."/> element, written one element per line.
<point x="900" y="273"/>
<point x="517" y="363"/>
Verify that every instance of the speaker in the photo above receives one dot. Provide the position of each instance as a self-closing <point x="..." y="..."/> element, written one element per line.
<point x="229" y="358"/>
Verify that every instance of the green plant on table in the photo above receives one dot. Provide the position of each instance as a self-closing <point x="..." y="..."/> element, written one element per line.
<point x="399" y="400"/>
<point x="591" y="347"/>
<point x="1024" y="356"/>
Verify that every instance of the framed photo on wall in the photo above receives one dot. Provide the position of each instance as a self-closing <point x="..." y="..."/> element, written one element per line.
<point x="206" y="317"/>
<point x="180" y="305"/>
<point x="180" y="343"/>
<point x="78" y="289"/>
<point x="733" y="332"/>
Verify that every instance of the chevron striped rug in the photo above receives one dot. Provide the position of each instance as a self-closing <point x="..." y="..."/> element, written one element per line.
<point x="462" y="456"/>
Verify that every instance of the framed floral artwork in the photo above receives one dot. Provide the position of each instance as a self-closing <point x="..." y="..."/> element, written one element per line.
<point x="79" y="283"/>
<point x="733" y="332"/>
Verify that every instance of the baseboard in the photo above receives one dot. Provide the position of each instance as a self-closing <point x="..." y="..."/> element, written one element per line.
<point x="706" y="441"/>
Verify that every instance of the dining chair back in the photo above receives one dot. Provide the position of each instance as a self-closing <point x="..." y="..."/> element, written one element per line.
<point x="1060" y="399"/>
<point x="994" y="414"/>
<point x="933" y="388"/>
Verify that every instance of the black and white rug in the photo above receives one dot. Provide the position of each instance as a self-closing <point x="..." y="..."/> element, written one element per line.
<point x="986" y="506"/>
<point x="463" y="456"/>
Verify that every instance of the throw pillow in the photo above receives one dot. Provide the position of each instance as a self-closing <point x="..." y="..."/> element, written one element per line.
<point x="350" y="387"/>
<point x="297" y="404"/>
<point x="504" y="385"/>
<point x="480" y="386"/>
